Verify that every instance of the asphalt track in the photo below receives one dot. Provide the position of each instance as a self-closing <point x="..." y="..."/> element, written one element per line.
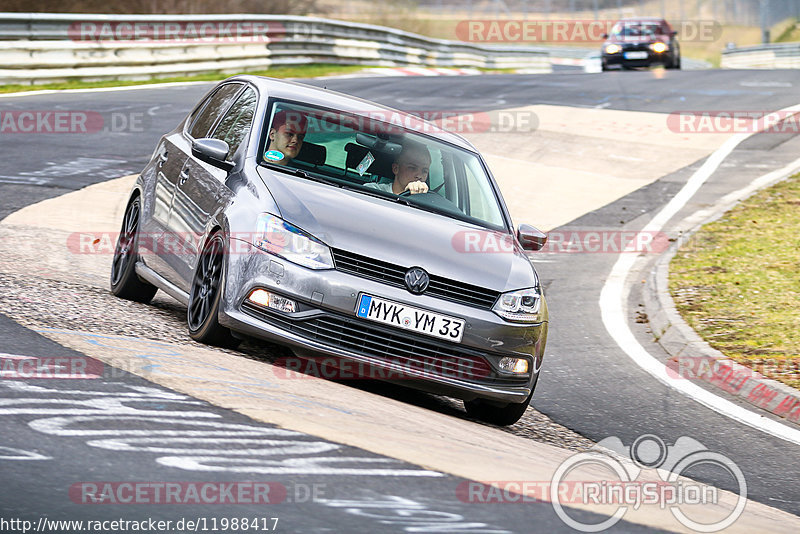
<point x="588" y="384"/>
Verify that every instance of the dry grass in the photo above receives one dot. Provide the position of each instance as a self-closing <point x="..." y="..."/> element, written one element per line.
<point x="737" y="282"/>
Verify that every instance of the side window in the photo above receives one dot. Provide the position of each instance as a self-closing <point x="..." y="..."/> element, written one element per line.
<point x="235" y="125"/>
<point x="218" y="102"/>
<point x="480" y="192"/>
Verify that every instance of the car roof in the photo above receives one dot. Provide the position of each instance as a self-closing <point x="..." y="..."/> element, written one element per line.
<point x="289" y="90"/>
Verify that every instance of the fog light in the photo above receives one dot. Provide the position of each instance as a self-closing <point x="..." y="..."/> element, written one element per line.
<point x="514" y="365"/>
<point x="270" y="300"/>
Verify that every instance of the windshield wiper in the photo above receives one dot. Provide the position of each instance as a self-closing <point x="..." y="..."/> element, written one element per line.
<point x="302" y="174"/>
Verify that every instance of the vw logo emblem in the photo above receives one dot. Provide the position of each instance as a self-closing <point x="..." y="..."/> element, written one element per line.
<point x="417" y="280"/>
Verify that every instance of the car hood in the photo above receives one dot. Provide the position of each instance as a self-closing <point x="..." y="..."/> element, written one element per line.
<point x="400" y="234"/>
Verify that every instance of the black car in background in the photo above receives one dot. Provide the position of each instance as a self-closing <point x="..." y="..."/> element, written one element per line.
<point x="641" y="42"/>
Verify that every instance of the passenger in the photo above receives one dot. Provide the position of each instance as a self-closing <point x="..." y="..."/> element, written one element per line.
<point x="410" y="170"/>
<point x="286" y="137"/>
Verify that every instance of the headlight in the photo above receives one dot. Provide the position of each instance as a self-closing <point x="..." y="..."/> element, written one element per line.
<point x="613" y="49"/>
<point x="659" y="47"/>
<point x="276" y="236"/>
<point x="523" y="306"/>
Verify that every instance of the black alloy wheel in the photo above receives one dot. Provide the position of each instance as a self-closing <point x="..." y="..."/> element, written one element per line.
<point x="124" y="281"/>
<point x="206" y="294"/>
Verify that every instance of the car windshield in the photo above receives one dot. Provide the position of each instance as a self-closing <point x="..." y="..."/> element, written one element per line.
<point x="369" y="152"/>
<point x="635" y="29"/>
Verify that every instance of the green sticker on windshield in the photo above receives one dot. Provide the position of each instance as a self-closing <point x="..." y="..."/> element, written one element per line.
<point x="274" y="155"/>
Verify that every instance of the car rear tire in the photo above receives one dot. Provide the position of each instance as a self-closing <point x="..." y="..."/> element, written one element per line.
<point x="206" y="294"/>
<point x="125" y="283"/>
<point x="496" y="414"/>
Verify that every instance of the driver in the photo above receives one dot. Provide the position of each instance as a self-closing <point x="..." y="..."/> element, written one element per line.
<point x="410" y="170"/>
<point x="286" y="136"/>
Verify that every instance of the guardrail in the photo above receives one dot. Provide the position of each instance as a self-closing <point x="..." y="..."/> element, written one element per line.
<point x="41" y="48"/>
<point x="771" y="56"/>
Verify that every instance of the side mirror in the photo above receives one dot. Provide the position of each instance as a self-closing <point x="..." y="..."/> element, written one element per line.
<point x="673" y="33"/>
<point x="605" y="36"/>
<point x="530" y="237"/>
<point x="212" y="151"/>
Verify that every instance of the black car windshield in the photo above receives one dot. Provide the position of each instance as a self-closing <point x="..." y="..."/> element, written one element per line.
<point x="635" y="29"/>
<point x="378" y="154"/>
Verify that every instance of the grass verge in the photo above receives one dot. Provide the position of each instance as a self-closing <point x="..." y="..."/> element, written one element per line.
<point x="302" y="71"/>
<point x="737" y="282"/>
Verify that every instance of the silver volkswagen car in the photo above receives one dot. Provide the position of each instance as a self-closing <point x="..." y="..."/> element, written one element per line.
<point x="345" y="230"/>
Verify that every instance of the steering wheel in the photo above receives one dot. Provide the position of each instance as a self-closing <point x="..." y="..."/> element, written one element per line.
<point x="429" y="191"/>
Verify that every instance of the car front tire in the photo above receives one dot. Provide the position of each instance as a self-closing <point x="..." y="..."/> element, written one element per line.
<point x="125" y="283"/>
<point x="206" y="294"/>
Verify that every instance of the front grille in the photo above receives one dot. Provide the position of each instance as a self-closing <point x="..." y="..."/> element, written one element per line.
<point x="394" y="275"/>
<point x="636" y="47"/>
<point x="404" y="348"/>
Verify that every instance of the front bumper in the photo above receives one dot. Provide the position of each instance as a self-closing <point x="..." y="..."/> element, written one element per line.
<point x="619" y="59"/>
<point x="325" y="324"/>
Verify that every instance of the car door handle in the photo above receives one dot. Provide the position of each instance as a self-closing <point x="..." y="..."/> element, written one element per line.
<point x="162" y="159"/>
<point x="183" y="177"/>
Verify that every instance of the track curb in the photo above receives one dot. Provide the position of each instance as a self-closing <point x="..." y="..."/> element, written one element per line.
<point x="691" y="357"/>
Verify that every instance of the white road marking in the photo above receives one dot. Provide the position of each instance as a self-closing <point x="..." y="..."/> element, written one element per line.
<point x="190" y="440"/>
<point x="10" y="453"/>
<point x="613" y="296"/>
<point x="764" y="84"/>
<point x="102" y="89"/>
<point x="268" y="447"/>
<point x="318" y="465"/>
<point x="6" y="356"/>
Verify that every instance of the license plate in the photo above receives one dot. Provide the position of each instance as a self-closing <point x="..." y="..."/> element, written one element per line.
<point x="635" y="55"/>
<point x="410" y="318"/>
